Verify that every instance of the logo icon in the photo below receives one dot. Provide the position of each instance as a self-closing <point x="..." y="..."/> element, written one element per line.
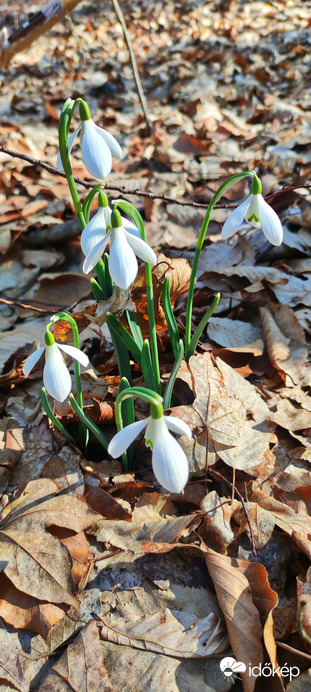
<point x="230" y="667"/>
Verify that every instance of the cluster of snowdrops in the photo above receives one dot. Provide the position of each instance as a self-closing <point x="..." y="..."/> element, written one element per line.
<point x="117" y="271"/>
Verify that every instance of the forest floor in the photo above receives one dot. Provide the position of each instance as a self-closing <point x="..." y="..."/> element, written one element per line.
<point x="97" y="563"/>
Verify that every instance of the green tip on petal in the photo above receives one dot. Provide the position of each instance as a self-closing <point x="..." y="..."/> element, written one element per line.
<point x="116" y="220"/>
<point x="156" y="411"/>
<point x="85" y="113"/>
<point x="256" y="186"/>
<point x="49" y="338"/>
<point x="102" y="199"/>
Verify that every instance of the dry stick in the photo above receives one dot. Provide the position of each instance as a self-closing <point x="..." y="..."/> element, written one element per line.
<point x="25" y="307"/>
<point x="43" y="21"/>
<point x="219" y="475"/>
<point x="138" y="83"/>
<point x="139" y="193"/>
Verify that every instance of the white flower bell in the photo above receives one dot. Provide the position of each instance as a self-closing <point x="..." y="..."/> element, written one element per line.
<point x="169" y="461"/>
<point x="257" y="213"/>
<point x="56" y="377"/>
<point x="96" y="229"/>
<point x="97" y="146"/>
<point x="124" y="247"/>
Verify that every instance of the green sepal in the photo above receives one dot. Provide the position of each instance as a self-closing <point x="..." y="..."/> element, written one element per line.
<point x="132" y="212"/>
<point x="47" y="408"/>
<point x="134" y="327"/>
<point x="127" y="339"/>
<point x="146" y="365"/>
<point x="167" y="396"/>
<point x="200" y="327"/>
<point x="169" y="316"/>
<point x="98" y="292"/>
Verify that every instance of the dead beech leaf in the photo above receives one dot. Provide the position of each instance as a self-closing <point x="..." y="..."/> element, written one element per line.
<point x="81" y="666"/>
<point x="296" y="525"/>
<point x="100" y="501"/>
<point x="78" y="548"/>
<point x="234" y="413"/>
<point x="36" y="562"/>
<point x="304" y="608"/>
<point x="10" y="664"/>
<point x="149" y="523"/>
<point x="236" y="335"/>
<point x="26" y="612"/>
<point x="188" y="144"/>
<point x="169" y="632"/>
<point x="286" y="343"/>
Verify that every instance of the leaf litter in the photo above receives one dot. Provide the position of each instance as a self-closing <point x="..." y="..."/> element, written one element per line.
<point x="227" y="87"/>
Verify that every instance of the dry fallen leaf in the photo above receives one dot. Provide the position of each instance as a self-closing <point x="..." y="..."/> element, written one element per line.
<point x="286" y="343"/>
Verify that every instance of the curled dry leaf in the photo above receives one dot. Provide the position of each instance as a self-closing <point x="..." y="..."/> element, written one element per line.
<point x="296" y="525"/>
<point x="81" y="666"/>
<point x="304" y="609"/>
<point x="236" y="335"/>
<point x="26" y="612"/>
<point x="286" y="343"/>
<point x="233" y="412"/>
<point x="35" y="561"/>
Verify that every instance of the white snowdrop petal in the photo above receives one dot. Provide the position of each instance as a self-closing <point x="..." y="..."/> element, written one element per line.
<point x="94" y="256"/>
<point x="32" y="360"/>
<point x="270" y="223"/>
<point x="111" y="142"/>
<point x="94" y="231"/>
<point x="130" y="227"/>
<point x="252" y="215"/>
<point x="169" y="462"/>
<point x="70" y="141"/>
<point x="56" y="377"/>
<point x="75" y="353"/>
<point x="141" y="249"/>
<point x="96" y="154"/>
<point x="235" y="220"/>
<point x="124" y="438"/>
<point x="123" y="265"/>
<point x="178" y="426"/>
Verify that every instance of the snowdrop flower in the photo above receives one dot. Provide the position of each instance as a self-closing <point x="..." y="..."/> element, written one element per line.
<point x="124" y="247"/>
<point x="169" y="461"/>
<point x="97" y="146"/>
<point x="56" y="377"/>
<point x="257" y="213"/>
<point x="95" y="231"/>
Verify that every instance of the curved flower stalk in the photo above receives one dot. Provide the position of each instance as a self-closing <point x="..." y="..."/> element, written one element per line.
<point x="96" y="229"/>
<point x="124" y="247"/>
<point x="169" y="461"/>
<point x="56" y="377"/>
<point x="97" y="146"/>
<point x="256" y="212"/>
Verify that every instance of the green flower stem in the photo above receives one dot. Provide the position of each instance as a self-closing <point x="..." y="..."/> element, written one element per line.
<point x="88" y="422"/>
<point x="167" y="396"/>
<point x="221" y="190"/>
<point x="63" y="131"/>
<point x="147" y="394"/>
<point x="47" y="408"/>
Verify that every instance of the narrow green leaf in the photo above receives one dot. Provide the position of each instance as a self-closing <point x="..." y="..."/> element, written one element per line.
<point x="88" y="422"/>
<point x="134" y="327"/>
<point x="200" y="327"/>
<point x="128" y="417"/>
<point x="167" y="396"/>
<point x="121" y="352"/>
<point x="97" y="291"/>
<point x="108" y="287"/>
<point x="47" y="408"/>
<point x="88" y="201"/>
<point x="115" y="326"/>
<point x="146" y="365"/>
<point x="169" y="316"/>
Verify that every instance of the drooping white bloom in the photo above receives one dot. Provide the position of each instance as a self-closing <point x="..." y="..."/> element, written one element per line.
<point x="95" y="231"/>
<point x="97" y="146"/>
<point x="256" y="212"/>
<point x="56" y="377"/>
<point x="124" y="247"/>
<point x="169" y="461"/>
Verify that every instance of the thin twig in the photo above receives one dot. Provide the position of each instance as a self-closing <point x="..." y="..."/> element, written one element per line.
<point x="25" y="307"/>
<point x="138" y="83"/>
<point x="219" y="475"/>
<point x="140" y="193"/>
<point x="294" y="651"/>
